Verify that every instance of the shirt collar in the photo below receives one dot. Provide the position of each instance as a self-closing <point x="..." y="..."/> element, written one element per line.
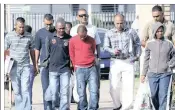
<point x="18" y="35"/>
<point x="164" y="21"/>
<point x="85" y="25"/>
<point x="55" y="35"/>
<point x="116" y="30"/>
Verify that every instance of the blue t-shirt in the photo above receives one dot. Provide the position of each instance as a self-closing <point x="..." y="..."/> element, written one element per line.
<point x="40" y="37"/>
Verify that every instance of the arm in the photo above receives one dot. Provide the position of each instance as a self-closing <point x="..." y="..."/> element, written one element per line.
<point x="37" y="47"/>
<point x="47" y="44"/>
<point x="94" y="46"/>
<point x="7" y="43"/>
<point x="146" y="60"/>
<point x="72" y="52"/>
<point x="144" y="35"/>
<point x="136" y="44"/>
<point x="172" y="57"/>
<point x="7" y="46"/>
<point x="98" y="42"/>
<point x="173" y="34"/>
<point x="107" y="43"/>
<point x="32" y="52"/>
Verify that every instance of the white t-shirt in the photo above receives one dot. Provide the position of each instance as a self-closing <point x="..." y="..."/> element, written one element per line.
<point x="92" y="32"/>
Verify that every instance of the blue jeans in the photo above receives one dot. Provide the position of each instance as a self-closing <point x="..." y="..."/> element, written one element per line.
<point x="159" y="85"/>
<point x="20" y="78"/>
<point x="60" y="83"/>
<point x="45" y="83"/>
<point x="90" y="76"/>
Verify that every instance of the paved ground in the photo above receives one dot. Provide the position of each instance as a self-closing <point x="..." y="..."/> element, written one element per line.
<point x="105" y="99"/>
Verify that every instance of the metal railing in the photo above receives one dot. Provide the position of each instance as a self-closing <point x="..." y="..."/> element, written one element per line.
<point x="99" y="19"/>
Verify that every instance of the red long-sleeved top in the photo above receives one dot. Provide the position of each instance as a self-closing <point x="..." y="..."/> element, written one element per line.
<point x="82" y="52"/>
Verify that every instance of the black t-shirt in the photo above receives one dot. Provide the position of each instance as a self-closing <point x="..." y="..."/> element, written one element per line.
<point x="58" y="50"/>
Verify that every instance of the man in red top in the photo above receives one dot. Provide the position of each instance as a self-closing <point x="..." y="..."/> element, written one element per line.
<point x="82" y="54"/>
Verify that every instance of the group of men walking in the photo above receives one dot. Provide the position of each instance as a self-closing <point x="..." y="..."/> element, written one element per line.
<point x="61" y="51"/>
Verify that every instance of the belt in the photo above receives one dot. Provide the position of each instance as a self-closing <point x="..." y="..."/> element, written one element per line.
<point x="120" y="57"/>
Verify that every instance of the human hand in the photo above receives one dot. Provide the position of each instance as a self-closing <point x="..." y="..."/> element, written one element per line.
<point x="117" y="52"/>
<point x="142" y="78"/>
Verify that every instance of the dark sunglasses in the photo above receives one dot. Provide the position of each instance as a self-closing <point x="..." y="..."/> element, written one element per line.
<point x="85" y="15"/>
<point x="48" y="24"/>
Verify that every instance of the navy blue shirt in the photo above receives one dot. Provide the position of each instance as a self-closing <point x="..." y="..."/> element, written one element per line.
<point x="40" y="42"/>
<point x="58" y="50"/>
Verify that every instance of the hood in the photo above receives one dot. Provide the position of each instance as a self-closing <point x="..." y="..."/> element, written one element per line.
<point x="155" y="27"/>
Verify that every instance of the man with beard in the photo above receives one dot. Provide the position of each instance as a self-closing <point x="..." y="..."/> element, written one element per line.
<point x="40" y="53"/>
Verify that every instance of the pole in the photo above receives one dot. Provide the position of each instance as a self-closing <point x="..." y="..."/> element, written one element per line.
<point x="51" y="11"/>
<point x="90" y="13"/>
<point x="8" y="18"/>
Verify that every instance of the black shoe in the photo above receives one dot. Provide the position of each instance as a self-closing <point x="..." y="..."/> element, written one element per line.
<point x="13" y="103"/>
<point x="72" y="100"/>
<point x="118" y="108"/>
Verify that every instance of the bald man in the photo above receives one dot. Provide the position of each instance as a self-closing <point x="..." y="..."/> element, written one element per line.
<point x="82" y="54"/>
<point x="125" y="49"/>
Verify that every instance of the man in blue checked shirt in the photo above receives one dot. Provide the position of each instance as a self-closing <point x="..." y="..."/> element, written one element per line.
<point x="124" y="46"/>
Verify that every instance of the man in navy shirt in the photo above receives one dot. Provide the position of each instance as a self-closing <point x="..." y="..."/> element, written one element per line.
<point x="59" y="65"/>
<point x="40" y="53"/>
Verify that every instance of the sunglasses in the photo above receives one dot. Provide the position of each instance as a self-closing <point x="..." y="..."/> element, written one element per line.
<point x="85" y="15"/>
<point x="48" y="24"/>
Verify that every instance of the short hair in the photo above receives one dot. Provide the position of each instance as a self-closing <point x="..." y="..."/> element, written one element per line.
<point x="157" y="8"/>
<point x="60" y="20"/>
<point x="69" y="23"/>
<point x="81" y="9"/>
<point x="81" y="28"/>
<point x="20" y="19"/>
<point x="121" y="15"/>
<point x="48" y="17"/>
<point x="28" y="28"/>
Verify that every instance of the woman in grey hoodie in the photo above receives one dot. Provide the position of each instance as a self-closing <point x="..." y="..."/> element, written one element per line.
<point x="159" y="61"/>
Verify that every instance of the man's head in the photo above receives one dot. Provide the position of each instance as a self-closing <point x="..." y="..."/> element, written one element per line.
<point x="68" y="27"/>
<point x="157" y="13"/>
<point x="28" y="28"/>
<point x="119" y="22"/>
<point x="19" y="25"/>
<point x="48" y="22"/>
<point x="60" y="26"/>
<point x="82" y="32"/>
<point x="82" y="16"/>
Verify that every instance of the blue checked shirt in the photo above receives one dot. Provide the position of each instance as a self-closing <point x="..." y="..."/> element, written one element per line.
<point x="127" y="42"/>
<point x="19" y="47"/>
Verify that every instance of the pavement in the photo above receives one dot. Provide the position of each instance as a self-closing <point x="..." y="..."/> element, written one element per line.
<point x="105" y="102"/>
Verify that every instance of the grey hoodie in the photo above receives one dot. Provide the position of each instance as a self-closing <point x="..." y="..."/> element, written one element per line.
<point x="159" y="54"/>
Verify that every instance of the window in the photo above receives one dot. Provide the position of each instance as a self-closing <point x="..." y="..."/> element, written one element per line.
<point x="109" y="7"/>
<point x="75" y="8"/>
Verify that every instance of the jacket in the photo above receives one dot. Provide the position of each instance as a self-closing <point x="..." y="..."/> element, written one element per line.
<point x="159" y="54"/>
